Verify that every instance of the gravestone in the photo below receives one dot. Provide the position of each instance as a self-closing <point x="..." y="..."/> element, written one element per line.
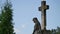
<point x="42" y="27"/>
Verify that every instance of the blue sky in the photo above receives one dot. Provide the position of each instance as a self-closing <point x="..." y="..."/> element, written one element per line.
<point x="25" y="10"/>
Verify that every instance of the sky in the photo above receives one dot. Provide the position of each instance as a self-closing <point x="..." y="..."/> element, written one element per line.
<point x="25" y="10"/>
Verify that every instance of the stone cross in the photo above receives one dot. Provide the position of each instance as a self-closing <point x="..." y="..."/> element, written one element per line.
<point x="43" y="9"/>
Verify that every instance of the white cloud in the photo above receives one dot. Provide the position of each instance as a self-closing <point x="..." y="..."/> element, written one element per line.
<point x="23" y="26"/>
<point x="17" y="30"/>
<point x="20" y="30"/>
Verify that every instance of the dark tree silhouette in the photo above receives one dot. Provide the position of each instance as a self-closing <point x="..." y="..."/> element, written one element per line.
<point x="6" y="25"/>
<point x="55" y="31"/>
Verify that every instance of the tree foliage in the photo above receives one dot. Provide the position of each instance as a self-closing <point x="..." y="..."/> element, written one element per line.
<point x="55" y="31"/>
<point x="6" y="25"/>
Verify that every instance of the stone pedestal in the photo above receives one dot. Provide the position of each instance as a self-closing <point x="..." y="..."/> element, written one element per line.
<point x="45" y="31"/>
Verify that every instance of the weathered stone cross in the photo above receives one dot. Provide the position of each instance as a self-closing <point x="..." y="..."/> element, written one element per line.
<point x="43" y="9"/>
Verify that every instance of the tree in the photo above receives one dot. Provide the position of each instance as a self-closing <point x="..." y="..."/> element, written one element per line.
<point x="6" y="25"/>
<point x="58" y="30"/>
<point x="55" y="31"/>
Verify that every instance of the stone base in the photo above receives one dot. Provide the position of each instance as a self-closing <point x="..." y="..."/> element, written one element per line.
<point x="45" y="31"/>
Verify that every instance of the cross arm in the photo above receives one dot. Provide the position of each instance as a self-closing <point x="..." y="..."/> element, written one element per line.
<point x="43" y="6"/>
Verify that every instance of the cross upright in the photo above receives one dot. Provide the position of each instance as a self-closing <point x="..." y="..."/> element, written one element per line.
<point x="43" y="9"/>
